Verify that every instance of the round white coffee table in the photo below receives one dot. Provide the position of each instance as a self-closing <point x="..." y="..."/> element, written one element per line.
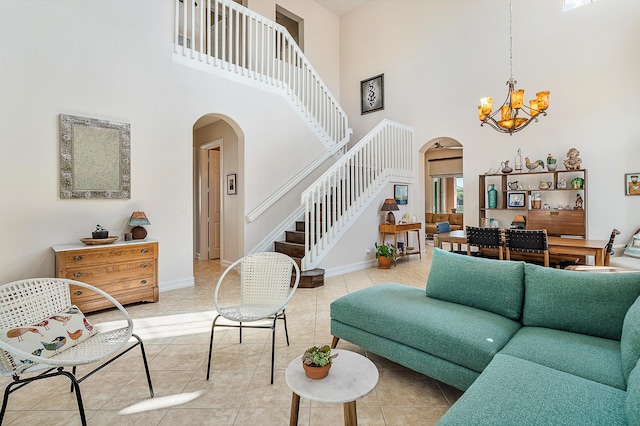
<point x="351" y="377"/>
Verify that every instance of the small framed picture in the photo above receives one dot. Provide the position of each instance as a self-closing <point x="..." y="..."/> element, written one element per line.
<point x="516" y="199"/>
<point x="632" y="184"/>
<point x="401" y="193"/>
<point x="372" y="94"/>
<point x="232" y="185"/>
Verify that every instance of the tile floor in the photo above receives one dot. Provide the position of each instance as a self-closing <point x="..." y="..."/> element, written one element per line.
<point x="176" y="333"/>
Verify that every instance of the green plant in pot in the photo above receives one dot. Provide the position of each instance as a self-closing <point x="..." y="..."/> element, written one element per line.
<point x="385" y="253"/>
<point x="317" y="361"/>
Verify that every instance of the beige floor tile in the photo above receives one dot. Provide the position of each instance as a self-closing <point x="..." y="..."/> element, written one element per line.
<point x="176" y="333"/>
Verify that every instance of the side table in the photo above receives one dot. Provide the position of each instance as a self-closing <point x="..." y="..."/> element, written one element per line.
<point x="351" y="377"/>
<point x="402" y="228"/>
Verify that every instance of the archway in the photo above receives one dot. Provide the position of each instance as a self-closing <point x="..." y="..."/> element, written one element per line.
<point x="443" y="175"/>
<point x="217" y="220"/>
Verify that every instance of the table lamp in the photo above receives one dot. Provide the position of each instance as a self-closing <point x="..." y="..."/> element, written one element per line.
<point x="390" y="206"/>
<point x="136" y="220"/>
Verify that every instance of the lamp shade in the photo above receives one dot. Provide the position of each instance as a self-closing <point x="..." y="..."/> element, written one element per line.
<point x="138" y="219"/>
<point x="389" y="205"/>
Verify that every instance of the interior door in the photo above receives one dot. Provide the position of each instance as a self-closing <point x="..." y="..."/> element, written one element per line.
<point x="214" y="204"/>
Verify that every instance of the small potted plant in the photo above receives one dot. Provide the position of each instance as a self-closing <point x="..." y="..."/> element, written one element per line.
<point x="551" y="163"/>
<point x="317" y="361"/>
<point x="100" y="233"/>
<point x="385" y="253"/>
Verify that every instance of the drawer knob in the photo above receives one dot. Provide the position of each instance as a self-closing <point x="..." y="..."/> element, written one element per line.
<point x="77" y="293"/>
<point x="144" y="265"/>
<point x="143" y="282"/>
<point x="77" y="258"/>
<point x="77" y="274"/>
<point x="144" y="250"/>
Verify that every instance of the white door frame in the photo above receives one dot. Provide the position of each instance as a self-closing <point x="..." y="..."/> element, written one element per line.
<point x="203" y="171"/>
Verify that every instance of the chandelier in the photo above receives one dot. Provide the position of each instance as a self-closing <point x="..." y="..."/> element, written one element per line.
<point x="513" y="115"/>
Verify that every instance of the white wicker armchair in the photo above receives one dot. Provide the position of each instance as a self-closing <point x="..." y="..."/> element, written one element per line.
<point x="34" y="307"/>
<point x="260" y="292"/>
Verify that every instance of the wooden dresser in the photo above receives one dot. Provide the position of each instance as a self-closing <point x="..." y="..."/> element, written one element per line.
<point x="126" y="270"/>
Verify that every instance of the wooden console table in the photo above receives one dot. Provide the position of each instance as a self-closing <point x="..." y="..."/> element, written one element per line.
<point x="400" y="228"/>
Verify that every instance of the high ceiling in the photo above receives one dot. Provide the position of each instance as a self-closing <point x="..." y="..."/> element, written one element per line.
<point x="340" y="7"/>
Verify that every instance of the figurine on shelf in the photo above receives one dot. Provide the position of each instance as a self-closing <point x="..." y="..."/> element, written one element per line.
<point x="579" y="202"/>
<point x="533" y="165"/>
<point x="551" y="163"/>
<point x="573" y="161"/>
<point x="505" y="167"/>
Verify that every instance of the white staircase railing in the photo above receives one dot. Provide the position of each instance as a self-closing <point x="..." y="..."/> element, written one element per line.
<point x="337" y="198"/>
<point x="225" y="36"/>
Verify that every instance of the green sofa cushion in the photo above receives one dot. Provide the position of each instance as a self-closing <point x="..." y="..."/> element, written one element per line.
<point x="582" y="302"/>
<point x="590" y="357"/>
<point x="488" y="284"/>
<point x="633" y="396"/>
<point x="630" y="341"/>
<point x="461" y="334"/>
<point x="513" y="391"/>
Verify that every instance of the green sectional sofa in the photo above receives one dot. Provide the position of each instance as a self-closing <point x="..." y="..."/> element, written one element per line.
<point x="528" y="345"/>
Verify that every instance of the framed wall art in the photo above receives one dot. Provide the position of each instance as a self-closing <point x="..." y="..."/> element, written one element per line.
<point x="372" y="94"/>
<point x="632" y="183"/>
<point x="232" y="184"/>
<point x="516" y="200"/>
<point x="401" y="193"/>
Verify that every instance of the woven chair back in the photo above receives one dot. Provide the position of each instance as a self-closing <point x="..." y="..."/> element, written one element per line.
<point x="484" y="237"/>
<point x="265" y="278"/>
<point x="29" y="301"/>
<point x="528" y="241"/>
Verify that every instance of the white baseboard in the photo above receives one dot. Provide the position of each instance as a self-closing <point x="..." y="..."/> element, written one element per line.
<point x="349" y="268"/>
<point x="175" y="285"/>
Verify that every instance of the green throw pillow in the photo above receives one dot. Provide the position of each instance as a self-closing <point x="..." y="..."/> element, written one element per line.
<point x="491" y="285"/>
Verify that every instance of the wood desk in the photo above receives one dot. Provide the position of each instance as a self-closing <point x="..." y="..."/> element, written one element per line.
<point x="400" y="228"/>
<point x="557" y="245"/>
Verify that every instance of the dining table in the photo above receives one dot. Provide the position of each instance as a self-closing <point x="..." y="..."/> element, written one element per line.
<point x="564" y="246"/>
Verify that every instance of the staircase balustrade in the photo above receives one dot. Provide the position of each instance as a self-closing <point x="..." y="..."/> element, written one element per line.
<point x="340" y="195"/>
<point x="224" y="35"/>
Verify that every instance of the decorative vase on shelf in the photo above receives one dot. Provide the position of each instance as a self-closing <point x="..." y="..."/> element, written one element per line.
<point x="518" y="161"/>
<point x="492" y="195"/>
<point x="505" y="167"/>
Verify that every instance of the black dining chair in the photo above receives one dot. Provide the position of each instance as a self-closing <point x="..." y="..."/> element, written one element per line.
<point x="490" y="238"/>
<point x="527" y="241"/>
<point x="609" y="247"/>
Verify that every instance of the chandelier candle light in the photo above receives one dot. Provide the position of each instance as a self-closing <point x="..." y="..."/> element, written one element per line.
<point x="508" y="121"/>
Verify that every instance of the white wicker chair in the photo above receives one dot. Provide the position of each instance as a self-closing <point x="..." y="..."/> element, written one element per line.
<point x="27" y="302"/>
<point x="261" y="292"/>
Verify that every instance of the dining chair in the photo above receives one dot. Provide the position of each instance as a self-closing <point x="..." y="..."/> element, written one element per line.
<point x="527" y="241"/>
<point x="41" y="332"/>
<point x="609" y="247"/>
<point x="258" y="294"/>
<point x="490" y="238"/>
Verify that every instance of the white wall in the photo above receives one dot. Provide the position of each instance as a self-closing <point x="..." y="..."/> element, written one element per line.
<point x="111" y="59"/>
<point x="458" y="51"/>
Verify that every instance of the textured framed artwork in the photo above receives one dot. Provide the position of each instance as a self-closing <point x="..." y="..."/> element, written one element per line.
<point x="516" y="200"/>
<point x="401" y="193"/>
<point x="632" y="184"/>
<point x="232" y="185"/>
<point x="372" y="94"/>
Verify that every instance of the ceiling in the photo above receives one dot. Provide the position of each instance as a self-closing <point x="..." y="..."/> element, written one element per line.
<point x="340" y="7"/>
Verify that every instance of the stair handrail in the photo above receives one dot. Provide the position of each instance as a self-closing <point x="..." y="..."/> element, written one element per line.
<point x="253" y="48"/>
<point x="384" y="154"/>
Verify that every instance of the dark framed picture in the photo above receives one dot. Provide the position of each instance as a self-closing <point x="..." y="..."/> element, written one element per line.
<point x="372" y="94"/>
<point x="516" y="199"/>
<point x="632" y="184"/>
<point x="401" y="193"/>
<point x="232" y="184"/>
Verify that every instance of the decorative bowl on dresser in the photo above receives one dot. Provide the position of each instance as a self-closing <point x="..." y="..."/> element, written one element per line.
<point x="127" y="270"/>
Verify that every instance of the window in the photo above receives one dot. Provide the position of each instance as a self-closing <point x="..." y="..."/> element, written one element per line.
<point x="572" y="4"/>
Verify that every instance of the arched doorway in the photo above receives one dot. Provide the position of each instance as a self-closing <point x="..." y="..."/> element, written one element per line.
<point x="217" y="219"/>
<point x="443" y="176"/>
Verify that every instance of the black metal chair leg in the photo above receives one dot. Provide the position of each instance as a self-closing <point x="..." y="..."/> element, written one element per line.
<point x="5" y="400"/>
<point x="240" y="332"/>
<point x="213" y="327"/>
<point x="286" y="331"/>
<point x="76" y="387"/>
<point x="146" y="364"/>
<point x="273" y="346"/>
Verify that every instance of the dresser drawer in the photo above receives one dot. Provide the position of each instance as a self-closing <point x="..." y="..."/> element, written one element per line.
<point x="115" y="287"/>
<point x="75" y="258"/>
<point x="110" y="272"/>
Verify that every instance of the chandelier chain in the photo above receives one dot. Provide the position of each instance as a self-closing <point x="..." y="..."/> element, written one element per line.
<point x="511" y="38"/>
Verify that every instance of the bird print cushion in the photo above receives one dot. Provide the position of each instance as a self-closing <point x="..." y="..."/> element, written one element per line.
<point x="46" y="338"/>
